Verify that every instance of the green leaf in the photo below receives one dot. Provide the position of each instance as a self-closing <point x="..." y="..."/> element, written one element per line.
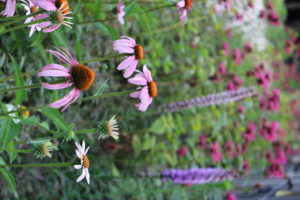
<point x="102" y="88"/>
<point x="113" y="32"/>
<point x="10" y="181"/>
<point x="8" y="131"/>
<point x="33" y="120"/>
<point x="20" y="94"/>
<point x="129" y="8"/>
<point x="12" y="155"/>
<point x="56" y="117"/>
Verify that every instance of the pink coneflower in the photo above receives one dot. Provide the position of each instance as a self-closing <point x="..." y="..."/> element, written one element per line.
<point x="237" y="56"/>
<point x="235" y="83"/>
<point x="270" y="5"/>
<point x="288" y="46"/>
<point x="241" y="109"/>
<point x="183" y="6"/>
<point x="58" y="11"/>
<point x="120" y="11"/>
<point x="10" y="8"/>
<point x="229" y="148"/>
<point x="246" y="166"/>
<point x="81" y="152"/>
<point x="147" y="92"/>
<point x="129" y="46"/>
<point x="182" y="151"/>
<point x="239" y="16"/>
<point x="280" y="156"/>
<point x="273" y="19"/>
<point x="202" y="141"/>
<point x="276" y="169"/>
<point x="239" y="149"/>
<point x="226" y="48"/>
<point x="229" y="196"/>
<point x="79" y="76"/>
<point x="249" y="135"/>
<point x="269" y="130"/>
<point x="222" y="68"/>
<point x="263" y="14"/>
<point x="215" y="152"/>
<point x="248" y="47"/>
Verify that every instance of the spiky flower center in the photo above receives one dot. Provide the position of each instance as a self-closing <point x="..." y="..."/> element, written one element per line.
<point x="138" y="52"/>
<point x="86" y="162"/>
<point x="188" y="4"/>
<point x="33" y="9"/>
<point x="59" y="17"/>
<point x="45" y="149"/>
<point x="82" y="76"/>
<point x="152" y="89"/>
<point x="65" y="9"/>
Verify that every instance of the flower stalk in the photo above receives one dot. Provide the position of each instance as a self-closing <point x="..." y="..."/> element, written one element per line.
<point x="68" y="164"/>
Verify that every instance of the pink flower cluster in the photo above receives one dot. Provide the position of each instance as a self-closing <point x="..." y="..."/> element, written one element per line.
<point x="270" y="14"/>
<point x="270" y="102"/>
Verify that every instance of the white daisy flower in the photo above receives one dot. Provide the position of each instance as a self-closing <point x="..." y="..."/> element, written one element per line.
<point x="30" y="8"/>
<point x="84" y="162"/>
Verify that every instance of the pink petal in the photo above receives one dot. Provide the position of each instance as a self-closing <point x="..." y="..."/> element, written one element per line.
<point x="125" y="63"/>
<point x="55" y="67"/>
<point x="147" y="73"/>
<point x="45" y="4"/>
<point x="81" y="176"/>
<point x="63" y="58"/>
<point x="65" y="100"/>
<point x="75" y="97"/>
<point x="132" y="41"/>
<point x="137" y="80"/>
<point x="123" y="49"/>
<point x="129" y="71"/>
<point x="54" y="73"/>
<point x="135" y="94"/>
<point x="56" y="86"/>
<point x="10" y="8"/>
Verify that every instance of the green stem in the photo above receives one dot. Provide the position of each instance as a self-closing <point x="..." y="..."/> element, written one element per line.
<point x="84" y="62"/>
<point x="37" y="85"/>
<point x="86" y="131"/>
<point x="174" y="26"/>
<point x="18" y="150"/>
<point x="21" y="17"/>
<point x="142" y="12"/>
<point x="39" y="165"/>
<point x="112" y="94"/>
<point x="23" y="26"/>
<point x="19" y="75"/>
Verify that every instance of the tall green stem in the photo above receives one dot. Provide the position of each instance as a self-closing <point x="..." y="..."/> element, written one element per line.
<point x="18" y="150"/>
<point x="84" y="62"/>
<point x="23" y="25"/>
<point x="112" y="94"/>
<point x="39" y="165"/>
<point x="21" y="17"/>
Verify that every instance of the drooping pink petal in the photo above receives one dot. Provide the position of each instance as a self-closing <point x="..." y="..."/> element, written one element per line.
<point x="51" y="28"/>
<point x="63" y="58"/>
<point x="81" y="176"/>
<point x="129" y="71"/>
<point x="87" y="176"/>
<point x="55" y="67"/>
<point x="56" y="86"/>
<point x="54" y="73"/>
<point x="135" y="94"/>
<point x="77" y="166"/>
<point x="10" y="8"/>
<point x="124" y="49"/>
<point x="75" y="97"/>
<point x="130" y="39"/>
<point x="65" y="100"/>
<point x="125" y="63"/>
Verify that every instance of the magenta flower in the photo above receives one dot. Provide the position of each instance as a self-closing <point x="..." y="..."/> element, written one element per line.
<point x="59" y="9"/>
<point x="222" y="68"/>
<point x="202" y="141"/>
<point x="280" y="156"/>
<point x="269" y="130"/>
<point x="226" y="48"/>
<point x="228" y="5"/>
<point x="246" y="166"/>
<point x="237" y="56"/>
<point x="10" y="8"/>
<point x="239" y="16"/>
<point x="182" y="151"/>
<point x="249" y="135"/>
<point x="79" y="77"/>
<point x="183" y="6"/>
<point x="120" y="12"/>
<point x="276" y="169"/>
<point x="288" y="46"/>
<point x="263" y="14"/>
<point x="273" y="19"/>
<point x="235" y="83"/>
<point x="229" y="196"/>
<point x="229" y="148"/>
<point x="239" y="149"/>
<point x="215" y="152"/>
<point x="147" y="92"/>
<point x="248" y="47"/>
<point x="128" y="45"/>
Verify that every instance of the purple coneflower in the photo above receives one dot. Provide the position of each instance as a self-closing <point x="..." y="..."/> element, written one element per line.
<point x="10" y="8"/>
<point x="30" y="8"/>
<point x="79" y="76"/>
<point x="120" y="12"/>
<point x="183" y="6"/>
<point x="128" y="45"/>
<point x="147" y="92"/>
